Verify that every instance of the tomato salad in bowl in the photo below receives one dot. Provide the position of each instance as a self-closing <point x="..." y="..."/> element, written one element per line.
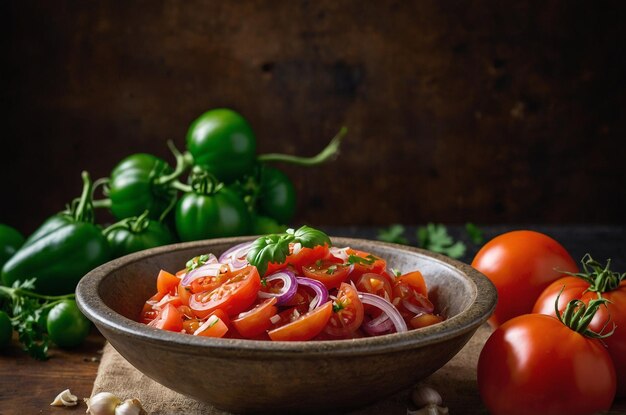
<point x="289" y="287"/>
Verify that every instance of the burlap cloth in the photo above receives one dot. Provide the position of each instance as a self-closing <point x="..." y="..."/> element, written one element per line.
<point x="456" y="382"/>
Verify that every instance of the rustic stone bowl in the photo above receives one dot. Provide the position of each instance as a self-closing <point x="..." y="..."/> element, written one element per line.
<point x="246" y="376"/>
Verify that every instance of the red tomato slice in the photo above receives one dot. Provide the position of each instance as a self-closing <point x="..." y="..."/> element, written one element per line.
<point x="305" y="256"/>
<point x="167" y="283"/>
<point x="370" y="263"/>
<point x="295" y="326"/>
<point x="347" y="313"/>
<point x="184" y="293"/>
<point x="416" y="280"/>
<point x="425" y="320"/>
<point x="148" y="313"/>
<point x="216" y="325"/>
<point x="169" y="318"/>
<point x="254" y="322"/>
<point x="410" y="288"/>
<point x="375" y="284"/>
<point x="328" y="272"/>
<point x="235" y="295"/>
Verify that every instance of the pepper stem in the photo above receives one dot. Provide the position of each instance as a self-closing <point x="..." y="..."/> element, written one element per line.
<point x="331" y="150"/>
<point x="203" y="182"/>
<point x="84" y="211"/>
<point x="134" y="224"/>
<point x="183" y="162"/>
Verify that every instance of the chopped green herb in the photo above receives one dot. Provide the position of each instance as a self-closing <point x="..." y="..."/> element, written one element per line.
<point x="337" y="307"/>
<point x="355" y="259"/>
<point x="264" y="282"/>
<point x="331" y="270"/>
<point x="395" y="272"/>
<point x="318" y="263"/>
<point x="393" y="234"/>
<point x="196" y="262"/>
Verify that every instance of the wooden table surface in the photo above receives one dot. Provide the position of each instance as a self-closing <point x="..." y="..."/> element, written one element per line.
<point x="28" y="386"/>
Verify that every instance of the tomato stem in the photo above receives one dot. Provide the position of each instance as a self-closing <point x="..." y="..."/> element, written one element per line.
<point x="331" y="150"/>
<point x="578" y="316"/>
<point x="183" y="162"/>
<point x="82" y="212"/>
<point x="600" y="278"/>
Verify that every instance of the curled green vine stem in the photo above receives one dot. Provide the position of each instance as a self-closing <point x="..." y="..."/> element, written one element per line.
<point x="183" y="162"/>
<point x="578" y="315"/>
<point x="13" y="292"/>
<point x="331" y="150"/>
<point x="135" y="224"/>
<point x="600" y="278"/>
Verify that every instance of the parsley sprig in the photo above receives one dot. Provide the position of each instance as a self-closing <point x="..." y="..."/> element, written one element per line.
<point x="433" y="237"/>
<point x="28" y="312"/>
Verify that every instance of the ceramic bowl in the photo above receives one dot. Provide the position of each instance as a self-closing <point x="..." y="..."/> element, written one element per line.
<point x="247" y="376"/>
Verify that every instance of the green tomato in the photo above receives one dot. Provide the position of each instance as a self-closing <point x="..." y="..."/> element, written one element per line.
<point x="10" y="241"/>
<point x="6" y="330"/>
<point x="204" y="216"/>
<point x="67" y="326"/>
<point x="126" y="240"/>
<point x="222" y="142"/>
<point x="132" y="189"/>
<point x="277" y="195"/>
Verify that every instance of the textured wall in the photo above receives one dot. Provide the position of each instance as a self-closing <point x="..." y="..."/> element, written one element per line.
<point x="481" y="111"/>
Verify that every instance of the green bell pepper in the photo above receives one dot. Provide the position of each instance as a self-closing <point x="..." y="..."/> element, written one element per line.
<point x="66" y="247"/>
<point x="136" y="234"/>
<point x="10" y="241"/>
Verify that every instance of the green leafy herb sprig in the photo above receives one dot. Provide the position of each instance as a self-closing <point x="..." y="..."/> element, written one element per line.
<point x="28" y="311"/>
<point x="434" y="237"/>
<point x="274" y="248"/>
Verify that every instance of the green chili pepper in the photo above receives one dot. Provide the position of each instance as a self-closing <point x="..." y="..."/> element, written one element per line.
<point x="210" y="210"/>
<point x="66" y="247"/>
<point x="137" y="233"/>
<point x="222" y="142"/>
<point x="10" y="241"/>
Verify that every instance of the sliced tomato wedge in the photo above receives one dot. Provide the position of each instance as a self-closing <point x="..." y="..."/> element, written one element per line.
<point x="347" y="313"/>
<point x="236" y="294"/>
<point x="416" y="280"/>
<point x="409" y="297"/>
<point x="304" y="256"/>
<point x="365" y="262"/>
<point x="256" y="321"/>
<point x="148" y="313"/>
<point x="376" y="284"/>
<point x="327" y="271"/>
<point x="167" y="283"/>
<point x="295" y="326"/>
<point x="424" y="320"/>
<point x="169" y="318"/>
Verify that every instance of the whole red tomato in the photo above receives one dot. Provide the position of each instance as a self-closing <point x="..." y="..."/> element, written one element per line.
<point x="534" y="364"/>
<point x="586" y="287"/>
<point x="521" y="264"/>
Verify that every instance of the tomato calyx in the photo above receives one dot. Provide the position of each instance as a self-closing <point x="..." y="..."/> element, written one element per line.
<point x="578" y="315"/>
<point x="600" y="279"/>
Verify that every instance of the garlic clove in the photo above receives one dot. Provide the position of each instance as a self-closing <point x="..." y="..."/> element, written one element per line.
<point x="65" y="398"/>
<point x="428" y="400"/>
<point x="103" y="403"/>
<point x="130" y="407"/>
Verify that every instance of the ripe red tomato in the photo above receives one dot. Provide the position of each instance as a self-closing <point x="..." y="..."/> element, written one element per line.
<point x="235" y="295"/>
<point x="295" y="326"/>
<point x="328" y="272"/>
<point x="166" y="282"/>
<point x="613" y="313"/>
<point x="169" y="318"/>
<point x="521" y="264"/>
<point x="254" y="322"/>
<point x="534" y="364"/>
<point x="347" y="314"/>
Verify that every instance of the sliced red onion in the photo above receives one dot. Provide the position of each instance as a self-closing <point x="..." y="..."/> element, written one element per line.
<point x="210" y="269"/>
<point x="387" y="308"/>
<point x="341" y="253"/>
<point x="288" y="290"/>
<point x="236" y="256"/>
<point x="380" y="325"/>
<point x="321" y="292"/>
<point x="424" y="307"/>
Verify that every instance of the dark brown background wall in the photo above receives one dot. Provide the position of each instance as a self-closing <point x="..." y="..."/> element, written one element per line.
<point x="464" y="110"/>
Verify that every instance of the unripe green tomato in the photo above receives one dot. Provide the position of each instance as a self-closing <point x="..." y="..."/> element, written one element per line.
<point x="67" y="326"/>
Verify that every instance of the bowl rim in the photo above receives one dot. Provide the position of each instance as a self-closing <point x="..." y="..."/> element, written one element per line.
<point x="480" y="309"/>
